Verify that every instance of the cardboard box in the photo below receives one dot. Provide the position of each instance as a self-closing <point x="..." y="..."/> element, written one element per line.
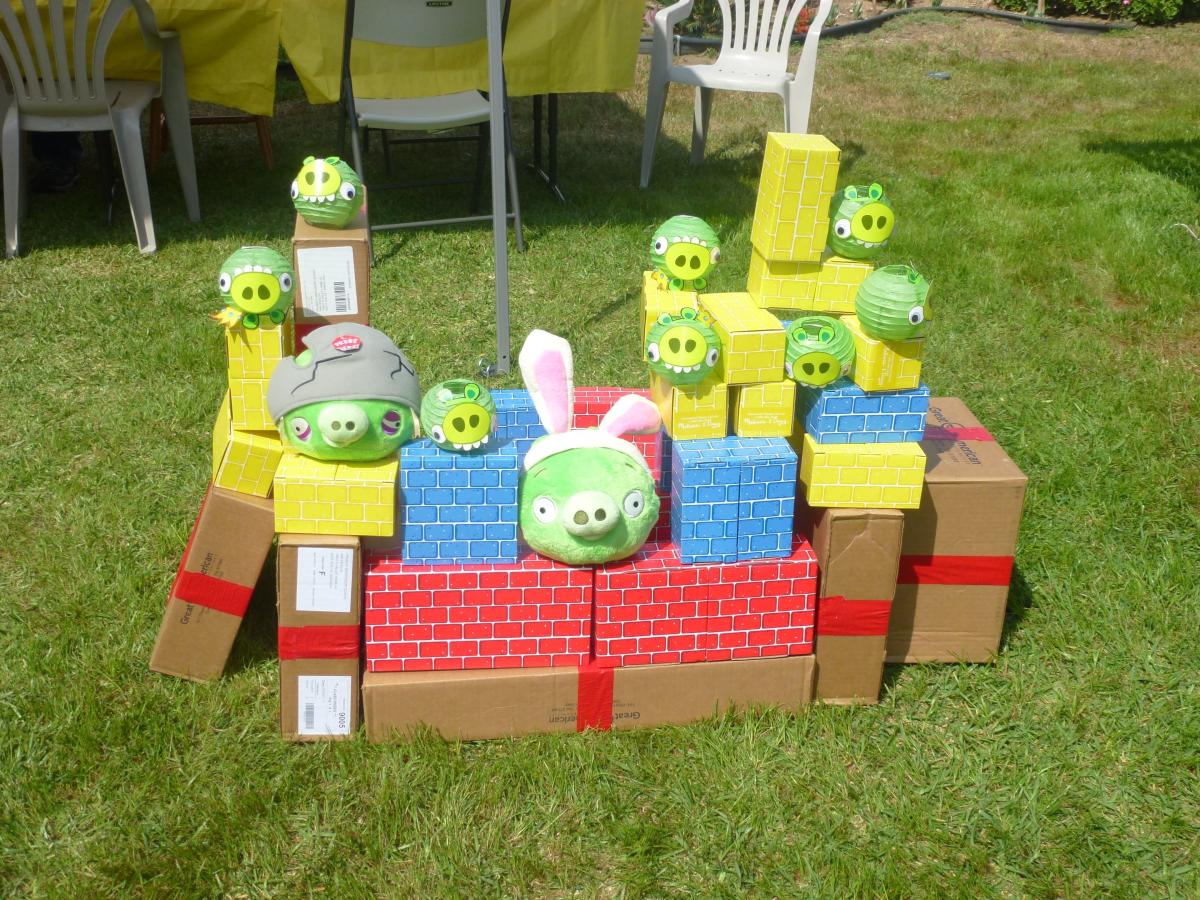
<point x="221" y="564"/>
<point x="484" y="704"/>
<point x="333" y="273"/>
<point x="858" y="554"/>
<point x="319" y="601"/>
<point x="654" y="609"/>
<point x="884" y="365"/>
<point x="532" y="613"/>
<point x="243" y="461"/>
<point x="826" y="287"/>
<point x="764" y="410"/>
<point x="752" y="340"/>
<point x="314" y="496"/>
<point x="860" y="476"/>
<point x="791" y="214"/>
<point x="957" y="557"/>
<point x="657" y="299"/>
<point x="691" y="413"/>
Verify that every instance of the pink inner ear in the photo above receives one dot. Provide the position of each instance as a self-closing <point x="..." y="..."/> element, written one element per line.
<point x="632" y="414"/>
<point x="545" y="362"/>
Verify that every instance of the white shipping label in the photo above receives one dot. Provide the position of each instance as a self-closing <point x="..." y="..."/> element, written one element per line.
<point x="327" y="285"/>
<point x="324" y="579"/>
<point x="324" y="704"/>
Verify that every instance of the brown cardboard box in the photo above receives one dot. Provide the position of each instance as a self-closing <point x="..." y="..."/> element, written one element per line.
<point x="319" y="588"/>
<point x="333" y="274"/>
<point x="956" y="561"/>
<point x="492" y="703"/>
<point x="858" y="553"/>
<point x="222" y="562"/>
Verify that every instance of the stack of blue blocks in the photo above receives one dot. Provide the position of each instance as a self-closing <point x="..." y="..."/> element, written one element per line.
<point x="843" y="413"/>
<point x="732" y="498"/>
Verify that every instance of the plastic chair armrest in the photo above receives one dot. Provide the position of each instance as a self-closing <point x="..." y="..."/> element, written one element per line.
<point x="665" y="21"/>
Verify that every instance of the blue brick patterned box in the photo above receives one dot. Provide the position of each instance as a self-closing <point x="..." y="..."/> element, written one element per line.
<point x="457" y="508"/>
<point x="517" y="419"/>
<point x="732" y="498"/>
<point x="843" y="413"/>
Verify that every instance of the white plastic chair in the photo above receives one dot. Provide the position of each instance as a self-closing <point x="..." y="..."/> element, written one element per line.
<point x="420" y="23"/>
<point x="56" y="84"/>
<point x="755" y="38"/>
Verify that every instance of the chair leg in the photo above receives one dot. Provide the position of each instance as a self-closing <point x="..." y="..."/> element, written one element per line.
<point x="356" y="152"/>
<point x="179" y="127"/>
<point x="10" y="153"/>
<point x="656" y="101"/>
<point x="128" y="132"/>
<point x="108" y="174"/>
<point x="514" y="198"/>
<point x="796" y="104"/>
<point x="263" y="124"/>
<point x="704" y="98"/>
<point x="481" y="151"/>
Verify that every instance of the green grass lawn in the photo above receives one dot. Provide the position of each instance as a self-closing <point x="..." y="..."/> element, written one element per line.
<point x="1037" y="189"/>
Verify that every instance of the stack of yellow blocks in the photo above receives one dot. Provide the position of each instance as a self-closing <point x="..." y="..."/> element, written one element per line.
<point x="789" y="268"/>
<point x="246" y="446"/>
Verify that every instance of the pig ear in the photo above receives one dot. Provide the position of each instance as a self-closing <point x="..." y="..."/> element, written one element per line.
<point x="546" y="366"/>
<point x="632" y="414"/>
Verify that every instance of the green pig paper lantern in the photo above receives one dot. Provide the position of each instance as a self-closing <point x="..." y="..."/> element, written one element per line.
<point x="351" y="396"/>
<point x="459" y="415"/>
<point x="682" y="348"/>
<point x="327" y="193"/>
<point x="891" y="304"/>
<point x="861" y="222"/>
<point x="820" y="349"/>
<point x="683" y="251"/>
<point x="255" y="282"/>
<point x="586" y="495"/>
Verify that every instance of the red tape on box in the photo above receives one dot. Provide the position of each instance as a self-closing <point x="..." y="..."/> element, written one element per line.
<point x="213" y="593"/>
<point x="938" y="433"/>
<point x="966" y="570"/>
<point x="594" y="698"/>
<point x="839" y="617"/>
<point x="319" y="642"/>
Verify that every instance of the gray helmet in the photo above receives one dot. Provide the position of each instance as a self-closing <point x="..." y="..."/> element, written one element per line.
<point x="345" y="361"/>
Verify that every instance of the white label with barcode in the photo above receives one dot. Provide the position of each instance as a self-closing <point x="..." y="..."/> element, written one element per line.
<point x="324" y="704"/>
<point x="324" y="579"/>
<point x="327" y="286"/>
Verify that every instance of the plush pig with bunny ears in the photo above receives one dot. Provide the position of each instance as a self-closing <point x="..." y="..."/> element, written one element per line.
<point x="586" y="495"/>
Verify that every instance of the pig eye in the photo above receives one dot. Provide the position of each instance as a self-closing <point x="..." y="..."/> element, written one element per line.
<point x="787" y="369"/>
<point x="225" y="282"/>
<point x="544" y="509"/>
<point x="634" y="503"/>
<point x="711" y="357"/>
<point x="842" y="228"/>
<point x="652" y="352"/>
<point x="438" y="435"/>
<point x="660" y="245"/>
<point x="295" y="189"/>
<point x="716" y="254"/>
<point x="346" y="191"/>
<point x="916" y="315"/>
<point x="300" y="428"/>
<point x="285" y="282"/>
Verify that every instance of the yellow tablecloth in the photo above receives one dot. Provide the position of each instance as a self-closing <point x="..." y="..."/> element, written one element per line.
<point x="230" y="50"/>
<point x="553" y="46"/>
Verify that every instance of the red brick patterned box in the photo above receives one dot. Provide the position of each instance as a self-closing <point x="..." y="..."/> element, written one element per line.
<point x="652" y="609"/>
<point x="535" y="612"/>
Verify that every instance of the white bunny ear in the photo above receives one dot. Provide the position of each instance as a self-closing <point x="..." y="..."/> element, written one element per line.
<point x="546" y="366"/>
<point x="631" y="414"/>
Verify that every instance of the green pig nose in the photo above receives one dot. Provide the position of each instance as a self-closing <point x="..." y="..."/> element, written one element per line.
<point x="590" y="515"/>
<point x="341" y="424"/>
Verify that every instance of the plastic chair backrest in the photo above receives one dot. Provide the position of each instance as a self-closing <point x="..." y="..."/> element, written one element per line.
<point x="49" y="63"/>
<point x="759" y="28"/>
<point x="420" y="23"/>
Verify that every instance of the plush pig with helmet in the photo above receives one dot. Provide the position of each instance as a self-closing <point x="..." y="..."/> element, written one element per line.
<point x="586" y="495"/>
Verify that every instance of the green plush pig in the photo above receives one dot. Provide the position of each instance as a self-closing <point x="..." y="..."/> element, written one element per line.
<point x="255" y="282"/>
<point x="459" y="415"/>
<point x="861" y="222"/>
<point x="682" y="348"/>
<point x="892" y="304"/>
<point x="327" y="192"/>
<point x="683" y="251"/>
<point x="819" y="349"/>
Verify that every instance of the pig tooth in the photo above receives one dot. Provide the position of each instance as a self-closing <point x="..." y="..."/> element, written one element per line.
<point x="485" y="439"/>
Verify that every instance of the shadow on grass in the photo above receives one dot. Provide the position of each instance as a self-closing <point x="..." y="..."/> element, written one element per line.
<point x="257" y="639"/>
<point x="1178" y="160"/>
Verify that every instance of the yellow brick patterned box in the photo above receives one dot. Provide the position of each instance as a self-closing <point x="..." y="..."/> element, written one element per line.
<point x="243" y="461"/>
<point x="825" y="287"/>
<point x="861" y="476"/>
<point x="691" y="413"/>
<point x="884" y="365"/>
<point x="254" y="352"/>
<point x="657" y="299"/>
<point x="752" y="340"/>
<point x="248" y="404"/>
<point x="791" y="216"/>
<point x="764" y="410"/>
<point x="314" y="496"/>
